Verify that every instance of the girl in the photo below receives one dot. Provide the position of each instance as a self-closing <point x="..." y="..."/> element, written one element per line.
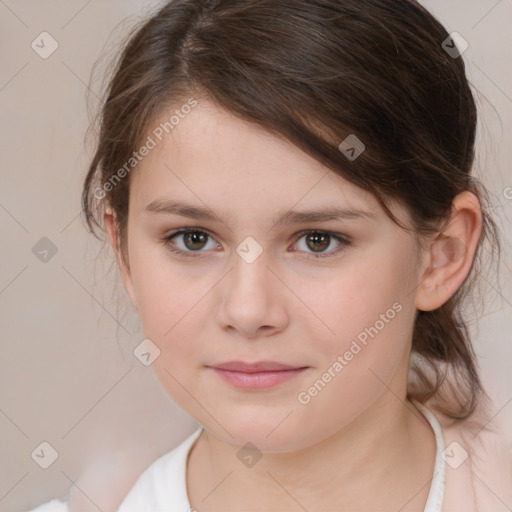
<point x="287" y="188"/>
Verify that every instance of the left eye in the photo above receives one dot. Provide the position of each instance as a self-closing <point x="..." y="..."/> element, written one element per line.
<point x="193" y="240"/>
<point x="318" y="241"/>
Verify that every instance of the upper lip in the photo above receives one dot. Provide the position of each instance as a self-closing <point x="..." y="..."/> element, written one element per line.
<point x="260" y="366"/>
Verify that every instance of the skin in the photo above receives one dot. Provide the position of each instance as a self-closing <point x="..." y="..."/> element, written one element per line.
<point x="359" y="432"/>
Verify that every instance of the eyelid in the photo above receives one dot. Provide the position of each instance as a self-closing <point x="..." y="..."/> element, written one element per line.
<point x="342" y="239"/>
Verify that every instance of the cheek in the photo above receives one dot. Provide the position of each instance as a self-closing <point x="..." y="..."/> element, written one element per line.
<point x="172" y="308"/>
<point x="169" y="300"/>
<point x="370" y="313"/>
<point x="365" y="358"/>
<point x="352" y="302"/>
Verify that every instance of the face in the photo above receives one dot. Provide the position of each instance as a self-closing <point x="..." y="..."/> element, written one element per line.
<point x="332" y="296"/>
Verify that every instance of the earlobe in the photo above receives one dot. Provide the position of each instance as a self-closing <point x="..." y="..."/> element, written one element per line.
<point x="112" y="230"/>
<point x="448" y="261"/>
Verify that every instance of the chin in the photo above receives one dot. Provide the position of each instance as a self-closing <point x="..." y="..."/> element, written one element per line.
<point x="270" y="434"/>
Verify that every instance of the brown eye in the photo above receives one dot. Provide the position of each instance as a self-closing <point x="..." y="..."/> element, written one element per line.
<point x="318" y="241"/>
<point x="189" y="242"/>
<point x="194" y="240"/>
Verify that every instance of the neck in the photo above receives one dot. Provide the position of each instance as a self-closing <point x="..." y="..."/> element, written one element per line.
<point x="383" y="460"/>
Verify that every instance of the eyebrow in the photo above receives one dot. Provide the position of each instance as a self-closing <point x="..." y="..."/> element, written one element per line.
<point x="165" y="206"/>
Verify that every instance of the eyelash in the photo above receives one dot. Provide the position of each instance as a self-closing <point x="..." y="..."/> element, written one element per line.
<point x="343" y="240"/>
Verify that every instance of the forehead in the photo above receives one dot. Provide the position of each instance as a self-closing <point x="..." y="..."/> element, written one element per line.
<point x="213" y="157"/>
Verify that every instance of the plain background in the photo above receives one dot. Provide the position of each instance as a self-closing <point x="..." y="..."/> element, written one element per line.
<point x="67" y="372"/>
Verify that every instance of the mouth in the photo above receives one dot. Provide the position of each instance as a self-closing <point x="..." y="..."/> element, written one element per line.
<point x="260" y="375"/>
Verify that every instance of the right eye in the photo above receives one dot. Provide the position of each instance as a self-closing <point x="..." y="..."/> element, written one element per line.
<point x="193" y="240"/>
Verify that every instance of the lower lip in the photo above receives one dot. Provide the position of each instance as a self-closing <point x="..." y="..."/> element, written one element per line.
<point x="257" y="380"/>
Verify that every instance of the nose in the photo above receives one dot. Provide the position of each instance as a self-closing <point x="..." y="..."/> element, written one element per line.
<point x="253" y="299"/>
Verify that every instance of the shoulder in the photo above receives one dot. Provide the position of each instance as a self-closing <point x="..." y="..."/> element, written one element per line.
<point x="478" y="460"/>
<point x="52" y="506"/>
<point x="163" y="483"/>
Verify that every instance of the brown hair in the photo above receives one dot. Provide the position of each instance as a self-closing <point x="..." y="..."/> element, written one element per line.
<point x="315" y="72"/>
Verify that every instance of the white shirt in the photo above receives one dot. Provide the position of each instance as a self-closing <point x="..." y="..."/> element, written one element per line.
<point x="162" y="486"/>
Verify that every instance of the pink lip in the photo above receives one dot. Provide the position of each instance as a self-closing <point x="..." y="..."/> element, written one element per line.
<point x="260" y="366"/>
<point x="260" y="375"/>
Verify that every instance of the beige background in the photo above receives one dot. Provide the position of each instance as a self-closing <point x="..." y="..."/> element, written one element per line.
<point x="67" y="372"/>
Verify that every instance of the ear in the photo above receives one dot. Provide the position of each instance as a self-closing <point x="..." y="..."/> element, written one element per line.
<point x="450" y="256"/>
<point x="112" y="229"/>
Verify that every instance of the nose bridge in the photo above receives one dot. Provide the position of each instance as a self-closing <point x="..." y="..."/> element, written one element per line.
<point x="250" y="264"/>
